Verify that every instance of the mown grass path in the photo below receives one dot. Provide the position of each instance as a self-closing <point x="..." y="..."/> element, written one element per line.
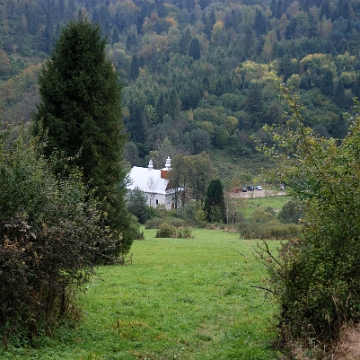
<point x="180" y="299"/>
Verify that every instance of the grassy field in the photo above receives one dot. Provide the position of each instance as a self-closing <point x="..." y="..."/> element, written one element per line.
<point x="180" y="299"/>
<point x="247" y="206"/>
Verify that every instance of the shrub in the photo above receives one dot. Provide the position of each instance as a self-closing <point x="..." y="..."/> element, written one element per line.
<point x="273" y="230"/>
<point x="50" y="234"/>
<point x="166" y="231"/>
<point x="134" y="229"/>
<point x="136" y="203"/>
<point x="262" y="216"/>
<point x="185" y="233"/>
<point x="316" y="280"/>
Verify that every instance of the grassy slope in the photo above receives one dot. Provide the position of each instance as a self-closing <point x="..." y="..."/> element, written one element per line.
<point x="180" y="299"/>
<point x="248" y="206"/>
<point x="237" y="166"/>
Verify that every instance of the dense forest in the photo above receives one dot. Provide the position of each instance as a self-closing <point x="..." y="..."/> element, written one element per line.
<point x="198" y="75"/>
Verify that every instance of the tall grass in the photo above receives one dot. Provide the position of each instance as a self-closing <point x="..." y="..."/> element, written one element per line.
<point x="180" y="299"/>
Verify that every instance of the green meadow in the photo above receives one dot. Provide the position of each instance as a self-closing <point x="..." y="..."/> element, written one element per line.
<point x="179" y="299"/>
<point x="248" y="206"/>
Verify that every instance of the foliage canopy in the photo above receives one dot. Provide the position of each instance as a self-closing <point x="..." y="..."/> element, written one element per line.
<point x="79" y="117"/>
<point x="214" y="205"/>
<point x="316" y="282"/>
<point x="50" y="232"/>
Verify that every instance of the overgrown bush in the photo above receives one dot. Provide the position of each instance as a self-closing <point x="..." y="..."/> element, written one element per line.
<point x="50" y="234"/>
<point x="134" y="229"/>
<point x="316" y="281"/>
<point x="273" y="230"/>
<point x="264" y="225"/>
<point x="184" y="233"/>
<point x="166" y="231"/>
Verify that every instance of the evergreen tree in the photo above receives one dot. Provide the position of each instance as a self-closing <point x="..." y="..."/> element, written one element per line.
<point x="71" y="5"/>
<point x="194" y="51"/>
<point x="260" y="23"/>
<point x="344" y="8"/>
<point x="339" y="95"/>
<point x="185" y="41"/>
<point x="325" y="9"/>
<point x="280" y="8"/>
<point x="356" y="87"/>
<point x="115" y="36"/>
<point x="134" y="68"/>
<point x="327" y="84"/>
<point x="248" y="42"/>
<point x="306" y="6"/>
<point x="348" y="29"/>
<point x="209" y="21"/>
<point x="29" y="13"/>
<point x="254" y="104"/>
<point x="173" y="103"/>
<point x="95" y="17"/>
<point x="214" y="206"/>
<point x="61" y="7"/>
<point x="204" y="3"/>
<point x="273" y="8"/>
<point x="285" y="67"/>
<point x="161" y="106"/>
<point x="80" y="15"/>
<point x="79" y="117"/>
<point x="48" y="36"/>
<point x="136" y="126"/>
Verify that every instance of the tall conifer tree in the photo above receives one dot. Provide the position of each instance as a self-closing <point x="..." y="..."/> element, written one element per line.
<point x="214" y="206"/>
<point x="194" y="50"/>
<point x="79" y="117"/>
<point x="134" y="68"/>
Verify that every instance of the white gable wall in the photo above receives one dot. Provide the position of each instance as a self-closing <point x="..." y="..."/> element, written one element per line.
<point x="154" y="200"/>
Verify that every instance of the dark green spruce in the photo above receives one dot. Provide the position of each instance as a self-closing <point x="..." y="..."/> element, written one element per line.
<point x="214" y="206"/>
<point x="79" y="118"/>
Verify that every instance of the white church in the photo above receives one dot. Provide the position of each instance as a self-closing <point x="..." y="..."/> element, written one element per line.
<point x="155" y="184"/>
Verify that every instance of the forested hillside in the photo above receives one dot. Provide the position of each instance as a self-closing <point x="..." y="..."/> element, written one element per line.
<point x="198" y="75"/>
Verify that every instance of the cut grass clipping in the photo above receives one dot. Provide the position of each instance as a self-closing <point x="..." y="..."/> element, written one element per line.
<point x="180" y="299"/>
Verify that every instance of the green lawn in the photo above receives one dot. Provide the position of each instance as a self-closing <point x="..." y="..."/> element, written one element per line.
<point x="180" y="299"/>
<point x="247" y="206"/>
